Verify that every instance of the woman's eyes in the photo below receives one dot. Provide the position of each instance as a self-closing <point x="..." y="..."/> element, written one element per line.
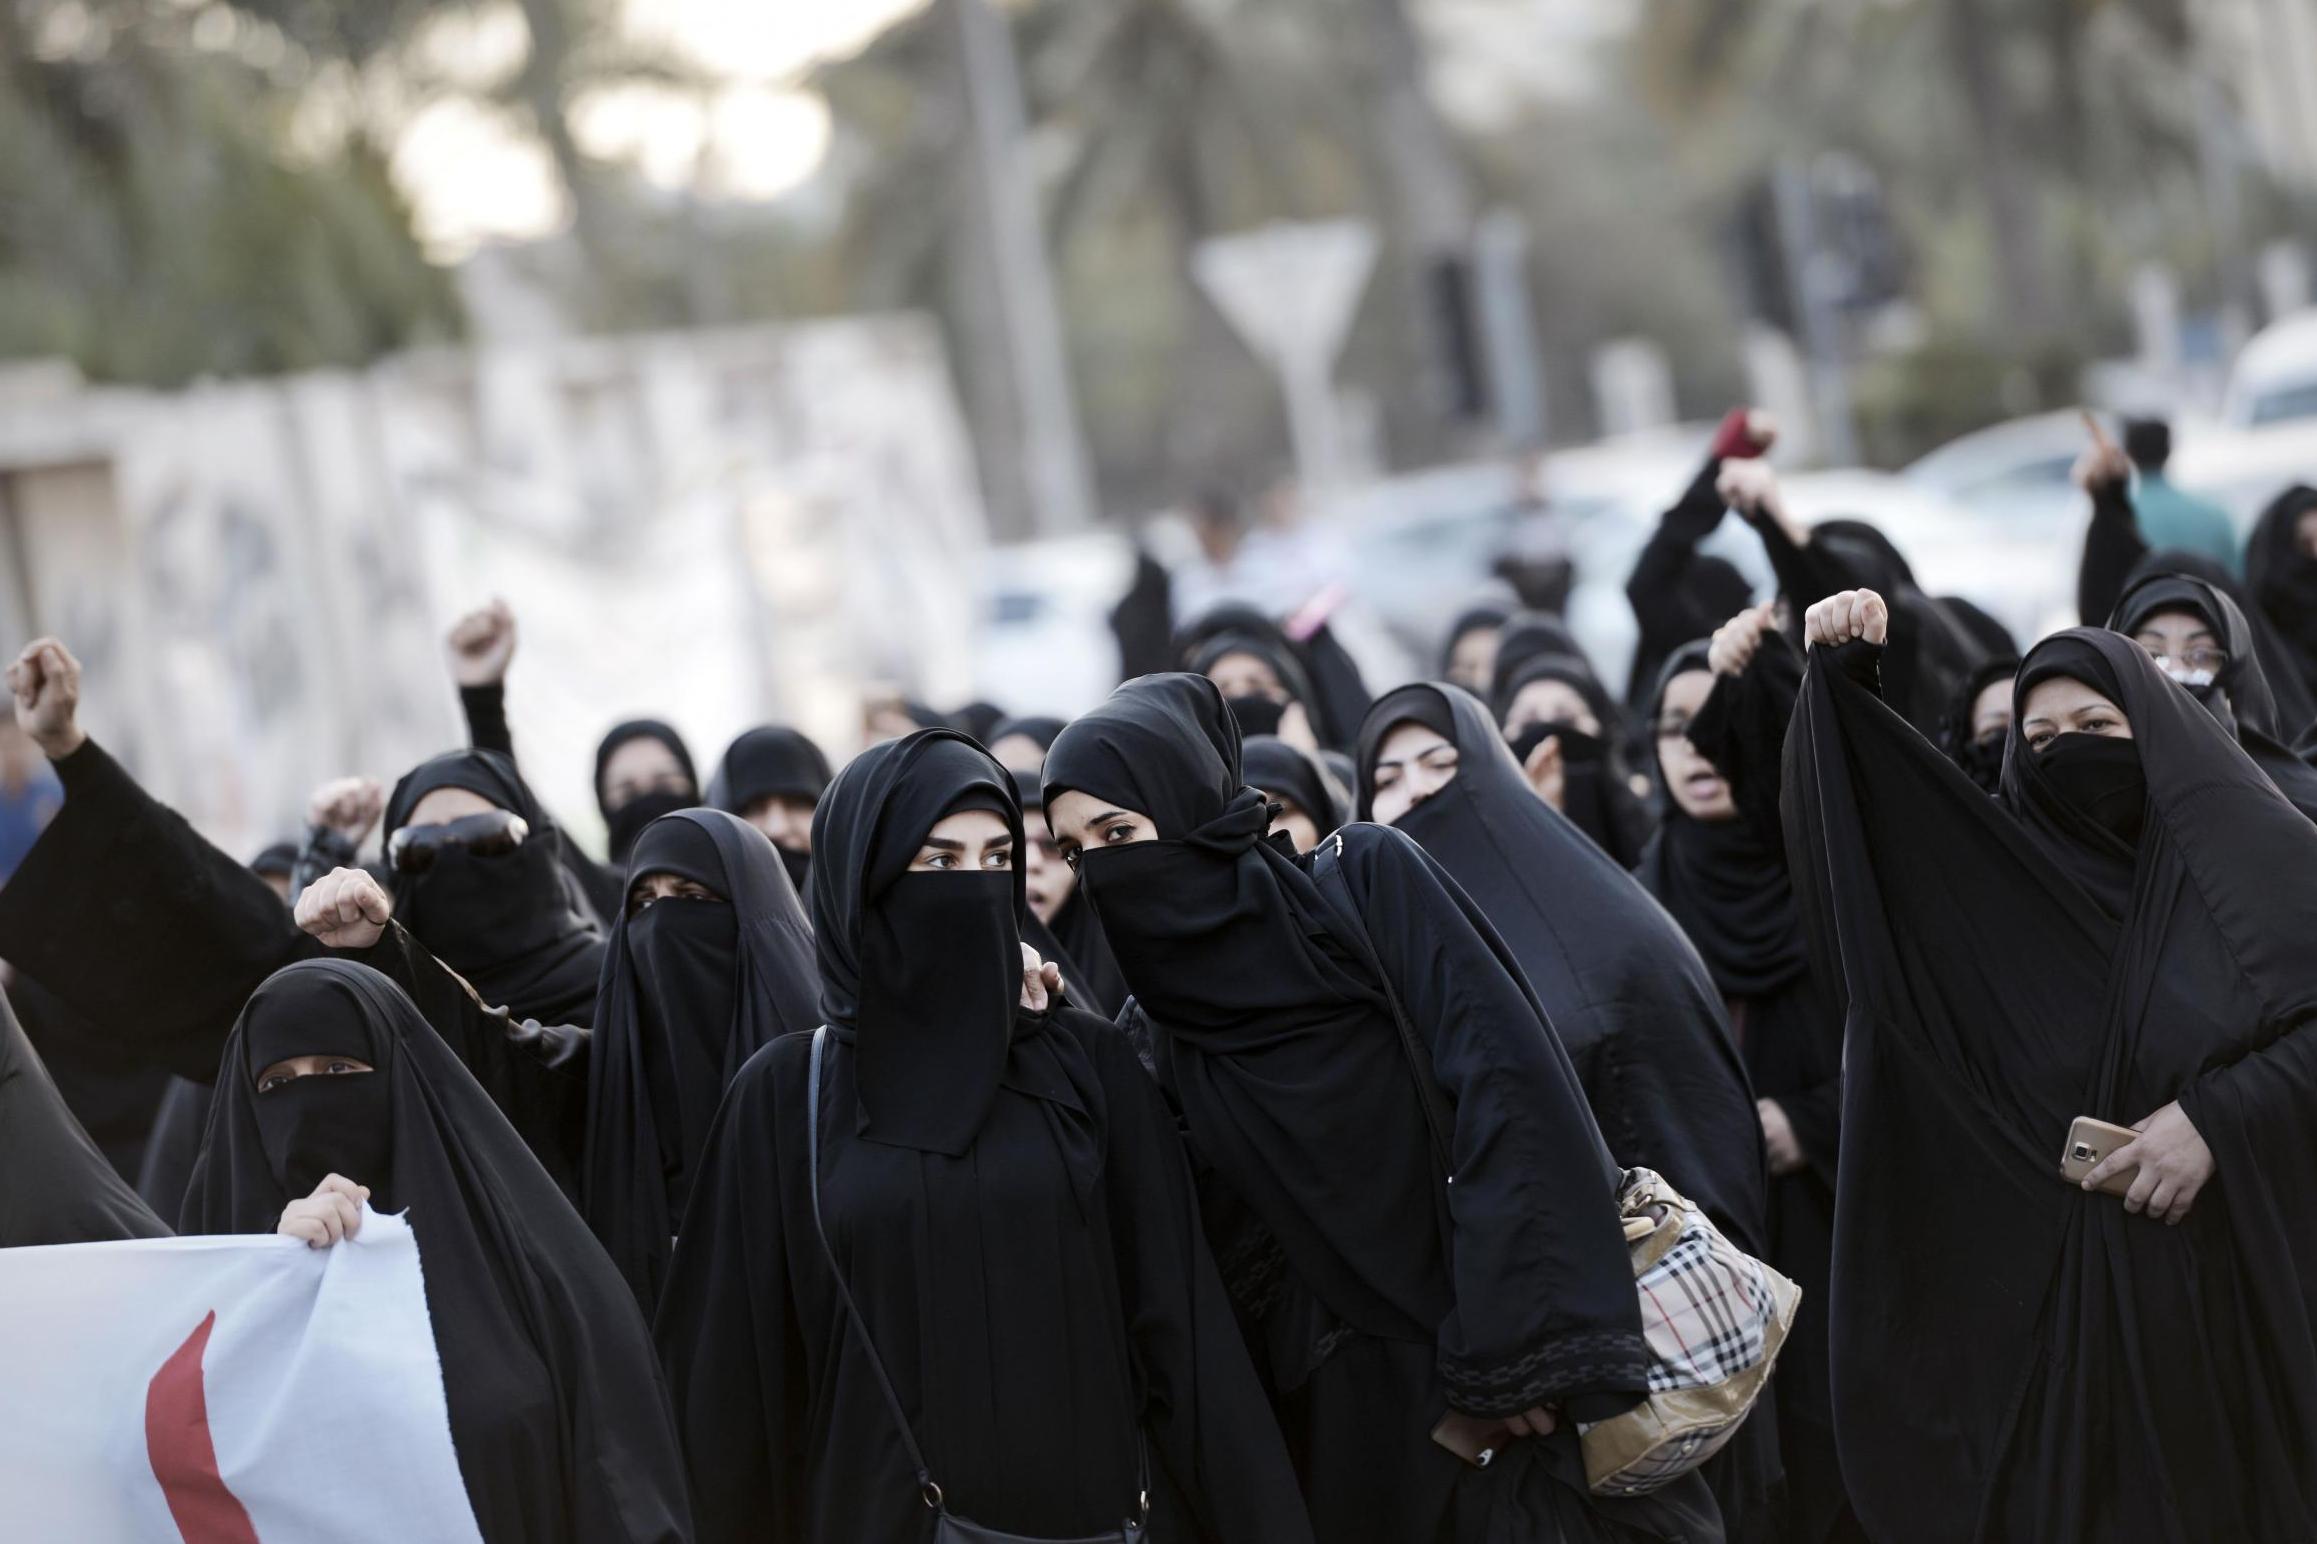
<point x="1000" y="861"/>
<point x="2036" y="742"/>
<point x="1121" y="832"/>
<point x="2100" y="724"/>
<point x="274" y="1082"/>
<point x="941" y="861"/>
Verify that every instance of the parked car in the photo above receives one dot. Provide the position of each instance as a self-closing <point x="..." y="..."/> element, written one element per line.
<point x="2274" y="379"/>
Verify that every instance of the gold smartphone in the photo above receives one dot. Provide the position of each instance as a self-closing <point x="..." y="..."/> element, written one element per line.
<point x="2090" y="1141"/>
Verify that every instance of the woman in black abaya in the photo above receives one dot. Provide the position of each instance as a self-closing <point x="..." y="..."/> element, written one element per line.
<point x="1630" y="998"/>
<point x="1311" y="802"/>
<point x="643" y="770"/>
<point x="2123" y="935"/>
<point x="773" y="778"/>
<point x="1383" y="1298"/>
<point x="556" y="1410"/>
<point x="1468" y="649"/>
<point x="513" y="922"/>
<point x="2198" y="637"/>
<point x="711" y="961"/>
<point x="1230" y="639"/>
<point x="1008" y="1200"/>
<point x="1557" y="697"/>
<point x="2281" y="574"/>
<point x="1718" y="864"/>
<point x="1977" y="723"/>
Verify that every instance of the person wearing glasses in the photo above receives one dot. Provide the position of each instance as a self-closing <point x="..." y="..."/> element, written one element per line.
<point x="2203" y="641"/>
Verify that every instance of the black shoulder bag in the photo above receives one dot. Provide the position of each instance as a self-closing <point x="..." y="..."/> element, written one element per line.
<point x="948" y="1528"/>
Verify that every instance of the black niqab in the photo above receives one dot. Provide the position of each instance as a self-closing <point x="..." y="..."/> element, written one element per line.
<point x="691" y="989"/>
<point x="2125" y="1381"/>
<point x="623" y="825"/>
<point x="925" y="1083"/>
<point x="556" y="1411"/>
<point x="1981" y="759"/>
<point x="1597" y="785"/>
<point x="515" y="924"/>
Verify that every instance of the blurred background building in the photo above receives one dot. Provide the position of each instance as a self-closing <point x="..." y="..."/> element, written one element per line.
<point x="334" y="316"/>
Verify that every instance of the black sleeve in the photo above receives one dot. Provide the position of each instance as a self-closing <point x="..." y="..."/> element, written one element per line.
<point x="1741" y="729"/>
<point x="1203" y="1406"/>
<point x="1658" y="586"/>
<point x="139" y="924"/>
<point x="2113" y="546"/>
<point x="535" y="1073"/>
<point x="486" y="711"/>
<point x="1806" y="574"/>
<point x="1545" y="1312"/>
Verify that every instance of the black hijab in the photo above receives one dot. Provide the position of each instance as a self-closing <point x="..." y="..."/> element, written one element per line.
<point x="556" y="1408"/>
<point x="55" y="1186"/>
<point x="889" y="941"/>
<point x="2239" y="696"/>
<point x="2009" y="966"/>
<point x="1285" y="772"/>
<point x="2282" y="579"/>
<point x="1980" y="760"/>
<point x="514" y="924"/>
<point x="1074" y="940"/>
<point x="1039" y="728"/>
<point x="1482" y="616"/>
<point x="623" y="825"/>
<point x="1629" y="996"/>
<point x="769" y="761"/>
<point x="1318" y="672"/>
<point x="1725" y="880"/>
<point x="1597" y="783"/>
<point x="691" y="989"/>
<point x="1530" y="635"/>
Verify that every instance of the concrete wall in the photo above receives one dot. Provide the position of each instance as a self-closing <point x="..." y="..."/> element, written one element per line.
<point x="713" y="528"/>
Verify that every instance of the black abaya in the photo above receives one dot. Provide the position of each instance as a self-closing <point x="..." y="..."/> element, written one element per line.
<point x="1726" y="883"/>
<point x="2069" y="1372"/>
<point x="556" y="1409"/>
<point x="1628" y="995"/>
<point x="691" y="990"/>
<point x="1008" y="1199"/>
<point x="56" y="1187"/>
<point x="1387" y="1297"/>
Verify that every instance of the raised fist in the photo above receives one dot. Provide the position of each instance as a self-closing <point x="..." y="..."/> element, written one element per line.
<point x="1852" y="614"/>
<point x="349" y="806"/>
<point x="2102" y="467"/>
<point x="1735" y="641"/>
<point x="345" y="909"/>
<point x="482" y="644"/>
<point x="46" y="681"/>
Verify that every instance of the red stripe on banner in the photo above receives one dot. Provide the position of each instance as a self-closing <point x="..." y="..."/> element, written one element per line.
<point x="184" y="1459"/>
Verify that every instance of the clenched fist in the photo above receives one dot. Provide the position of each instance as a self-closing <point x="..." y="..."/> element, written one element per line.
<point x="1852" y="614"/>
<point x="350" y="806"/>
<point x="46" y="681"/>
<point x="345" y="909"/>
<point x="481" y="645"/>
<point x="1736" y="640"/>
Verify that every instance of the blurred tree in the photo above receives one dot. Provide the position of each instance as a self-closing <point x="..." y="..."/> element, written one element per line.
<point x="157" y="225"/>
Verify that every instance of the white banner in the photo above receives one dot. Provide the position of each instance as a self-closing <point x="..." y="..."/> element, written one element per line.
<point x="235" y="1390"/>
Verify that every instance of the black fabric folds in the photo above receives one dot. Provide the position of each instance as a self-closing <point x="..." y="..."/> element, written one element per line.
<point x="556" y="1409"/>
<point x="55" y="1186"/>
<point x="691" y="989"/>
<point x="2124" y="1381"/>
<point x="517" y="924"/>
<point x="1318" y="672"/>
<point x="1980" y="760"/>
<point x="1374" y="1288"/>
<point x="771" y="760"/>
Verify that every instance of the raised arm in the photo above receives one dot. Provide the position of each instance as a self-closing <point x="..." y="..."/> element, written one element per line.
<point x="124" y="911"/>
<point x="2113" y="545"/>
<point x="535" y="1073"/>
<point x="1658" y="587"/>
<point x="481" y="646"/>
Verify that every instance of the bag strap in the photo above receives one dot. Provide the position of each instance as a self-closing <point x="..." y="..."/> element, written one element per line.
<point x="927" y="1490"/>
<point x="1336" y="891"/>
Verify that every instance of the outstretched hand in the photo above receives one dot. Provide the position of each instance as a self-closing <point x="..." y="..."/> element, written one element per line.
<point x="481" y="644"/>
<point x="45" y="679"/>
<point x="1852" y="614"/>
<point x="345" y="909"/>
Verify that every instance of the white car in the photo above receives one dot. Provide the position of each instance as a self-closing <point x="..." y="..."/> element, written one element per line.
<point x="2274" y="379"/>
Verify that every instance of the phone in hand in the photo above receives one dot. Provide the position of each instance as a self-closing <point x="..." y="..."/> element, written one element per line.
<point x="2089" y="1142"/>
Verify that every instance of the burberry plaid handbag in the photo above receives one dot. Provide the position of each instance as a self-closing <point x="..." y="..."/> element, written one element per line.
<point x="1715" y="1319"/>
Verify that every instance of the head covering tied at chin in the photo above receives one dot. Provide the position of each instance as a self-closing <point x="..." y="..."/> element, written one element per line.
<point x="891" y="941"/>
